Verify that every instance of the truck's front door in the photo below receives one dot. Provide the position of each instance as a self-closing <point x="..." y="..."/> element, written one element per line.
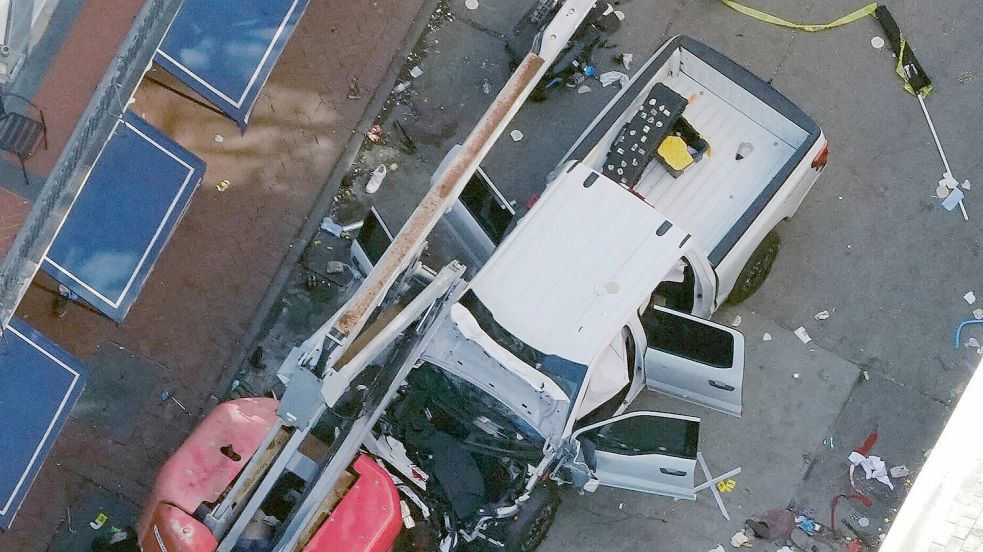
<point x="693" y="359"/>
<point x="652" y="452"/>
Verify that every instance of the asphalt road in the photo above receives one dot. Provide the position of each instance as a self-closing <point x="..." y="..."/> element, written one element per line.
<point x="870" y="244"/>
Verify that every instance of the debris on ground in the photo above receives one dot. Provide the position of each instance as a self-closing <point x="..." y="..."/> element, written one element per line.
<point x="583" y="89"/>
<point x="471" y="4"/>
<point x="737" y="321"/>
<point x="219" y="138"/>
<point x="874" y="467"/>
<point x="966" y="77"/>
<point x="401" y="87"/>
<point x="802" y="334"/>
<point x="626" y="60"/>
<point x="822" y="315"/>
<point x="378" y="175"/>
<point x="485" y="87"/>
<point x="740" y="539"/>
<point x="877" y="42"/>
<point x="353" y="92"/>
<point x="774" y="525"/>
<point x="223" y="185"/>
<point x="416" y="72"/>
<point x="795" y="375"/>
<point x="970" y="297"/>
<point x="766" y="337"/>
<point x="807" y="525"/>
<point x="978" y="314"/>
<point x="516" y="135"/>
<point x="898" y="472"/>
<point x="612" y="77"/>
<point x="829" y="442"/>
<point x="973" y="343"/>
<point x="375" y="133"/>
<point x="719" y="548"/>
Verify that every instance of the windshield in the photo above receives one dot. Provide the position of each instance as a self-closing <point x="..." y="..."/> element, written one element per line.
<point x="566" y="374"/>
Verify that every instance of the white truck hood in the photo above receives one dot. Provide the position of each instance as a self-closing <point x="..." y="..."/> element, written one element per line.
<point x="462" y="348"/>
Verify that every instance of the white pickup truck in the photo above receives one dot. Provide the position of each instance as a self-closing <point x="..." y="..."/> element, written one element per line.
<point x="602" y="289"/>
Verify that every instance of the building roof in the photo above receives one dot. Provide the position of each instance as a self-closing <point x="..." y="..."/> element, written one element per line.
<point x="585" y="256"/>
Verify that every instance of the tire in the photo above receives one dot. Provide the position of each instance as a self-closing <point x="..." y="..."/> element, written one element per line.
<point x="756" y="270"/>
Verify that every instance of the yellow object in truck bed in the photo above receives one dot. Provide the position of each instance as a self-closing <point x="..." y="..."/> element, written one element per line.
<point x="673" y="151"/>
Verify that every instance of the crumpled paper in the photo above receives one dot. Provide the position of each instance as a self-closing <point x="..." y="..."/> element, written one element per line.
<point x="873" y="467"/>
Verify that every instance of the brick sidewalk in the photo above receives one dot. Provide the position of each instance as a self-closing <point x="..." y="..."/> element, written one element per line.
<point x="211" y="277"/>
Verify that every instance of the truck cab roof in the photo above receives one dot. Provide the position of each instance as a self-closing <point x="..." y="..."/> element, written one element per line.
<point x="587" y="255"/>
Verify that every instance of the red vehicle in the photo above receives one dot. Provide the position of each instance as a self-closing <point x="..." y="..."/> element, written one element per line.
<point x="362" y="511"/>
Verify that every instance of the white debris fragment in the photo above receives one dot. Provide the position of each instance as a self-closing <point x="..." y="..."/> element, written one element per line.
<point x="803" y="335"/>
<point x="877" y="42"/>
<point x="719" y="548"/>
<point x="739" y="539"/>
<point x="822" y="315"/>
<point x="401" y="87"/>
<point x="795" y="375"/>
<point x="415" y="72"/>
<point x="471" y="4"/>
<point x="970" y="297"/>
<point x="737" y="321"/>
<point x="612" y="77"/>
<point x="583" y="89"/>
<point x="973" y="342"/>
<point x="626" y="60"/>
<point x="966" y="185"/>
<point x="516" y="135"/>
<point x="978" y="314"/>
<point x="898" y="472"/>
<point x="766" y="337"/>
<point x="219" y="138"/>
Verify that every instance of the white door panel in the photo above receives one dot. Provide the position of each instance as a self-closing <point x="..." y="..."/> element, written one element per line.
<point x="651" y="452"/>
<point x="694" y="359"/>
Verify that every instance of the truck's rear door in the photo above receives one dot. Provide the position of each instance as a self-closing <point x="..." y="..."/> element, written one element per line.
<point x="652" y="452"/>
<point x="693" y="359"/>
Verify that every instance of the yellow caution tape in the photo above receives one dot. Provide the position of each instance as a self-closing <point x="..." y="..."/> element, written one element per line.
<point x="899" y="69"/>
<point x="768" y="18"/>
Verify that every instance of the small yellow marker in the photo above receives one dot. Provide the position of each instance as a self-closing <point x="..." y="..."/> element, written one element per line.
<point x="99" y="521"/>
<point x="222" y="186"/>
<point x="726" y="486"/>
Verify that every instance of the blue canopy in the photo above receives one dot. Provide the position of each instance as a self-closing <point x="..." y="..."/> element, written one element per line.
<point x="39" y="385"/>
<point x="138" y="189"/>
<point x="225" y="49"/>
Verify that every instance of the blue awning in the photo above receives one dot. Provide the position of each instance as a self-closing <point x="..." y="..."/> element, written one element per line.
<point x="39" y="385"/>
<point x="226" y="49"/>
<point x="138" y="189"/>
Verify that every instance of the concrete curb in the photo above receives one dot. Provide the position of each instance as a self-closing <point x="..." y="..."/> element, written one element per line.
<point x="323" y="203"/>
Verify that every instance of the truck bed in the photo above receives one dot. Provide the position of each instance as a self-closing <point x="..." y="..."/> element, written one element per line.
<point x="715" y="198"/>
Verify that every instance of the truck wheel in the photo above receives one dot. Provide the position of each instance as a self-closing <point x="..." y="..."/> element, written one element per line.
<point x="534" y="531"/>
<point x="527" y="530"/>
<point x="756" y="270"/>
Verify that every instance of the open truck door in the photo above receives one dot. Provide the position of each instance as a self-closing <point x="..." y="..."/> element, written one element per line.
<point x="651" y="452"/>
<point x="693" y="359"/>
